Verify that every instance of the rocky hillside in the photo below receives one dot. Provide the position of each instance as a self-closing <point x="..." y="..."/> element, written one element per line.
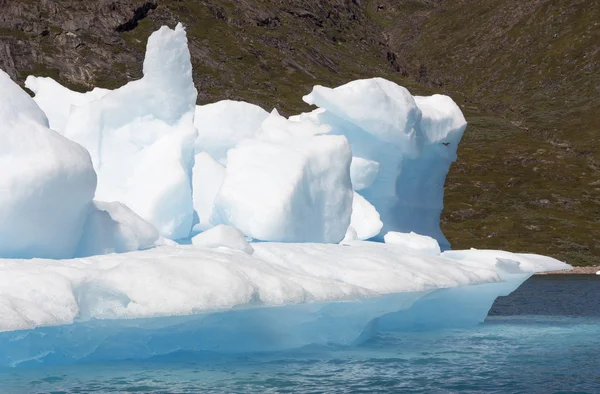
<point x="267" y="52"/>
<point x="526" y="75"/>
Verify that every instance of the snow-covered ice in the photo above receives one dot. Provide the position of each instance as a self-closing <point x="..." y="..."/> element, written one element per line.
<point x="47" y="182"/>
<point x="500" y="260"/>
<point x="141" y="137"/>
<point x="186" y="279"/>
<point x="412" y="240"/>
<point x="223" y="236"/>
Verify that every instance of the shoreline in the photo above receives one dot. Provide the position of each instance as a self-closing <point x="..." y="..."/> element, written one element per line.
<point x="573" y="271"/>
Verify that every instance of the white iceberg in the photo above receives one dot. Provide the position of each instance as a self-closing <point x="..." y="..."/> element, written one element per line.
<point x="282" y="296"/>
<point x="177" y="280"/>
<point x="47" y="182"/>
<point x="370" y="162"/>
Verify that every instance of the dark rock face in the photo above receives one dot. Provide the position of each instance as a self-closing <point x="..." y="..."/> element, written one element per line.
<point x="72" y="40"/>
<point x="240" y="49"/>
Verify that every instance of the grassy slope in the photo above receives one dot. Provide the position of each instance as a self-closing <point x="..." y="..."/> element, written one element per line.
<point x="527" y="75"/>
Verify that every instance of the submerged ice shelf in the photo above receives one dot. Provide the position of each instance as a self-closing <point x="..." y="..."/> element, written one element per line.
<point x="283" y="296"/>
<point x="253" y="329"/>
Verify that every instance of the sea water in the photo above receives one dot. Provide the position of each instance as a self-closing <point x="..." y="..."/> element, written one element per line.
<point x="545" y="337"/>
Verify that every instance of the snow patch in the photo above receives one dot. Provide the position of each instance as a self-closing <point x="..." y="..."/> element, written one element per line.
<point x="223" y="236"/>
<point x="414" y="241"/>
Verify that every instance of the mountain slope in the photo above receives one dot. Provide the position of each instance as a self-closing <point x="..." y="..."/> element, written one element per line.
<point x="270" y="53"/>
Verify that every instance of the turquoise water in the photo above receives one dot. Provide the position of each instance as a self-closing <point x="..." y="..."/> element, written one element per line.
<point x="543" y="338"/>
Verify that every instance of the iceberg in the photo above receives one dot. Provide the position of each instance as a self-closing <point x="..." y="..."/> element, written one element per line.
<point x="47" y="182"/>
<point x="186" y="279"/>
<point x="413" y="139"/>
<point x="141" y="137"/>
<point x="272" y="216"/>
